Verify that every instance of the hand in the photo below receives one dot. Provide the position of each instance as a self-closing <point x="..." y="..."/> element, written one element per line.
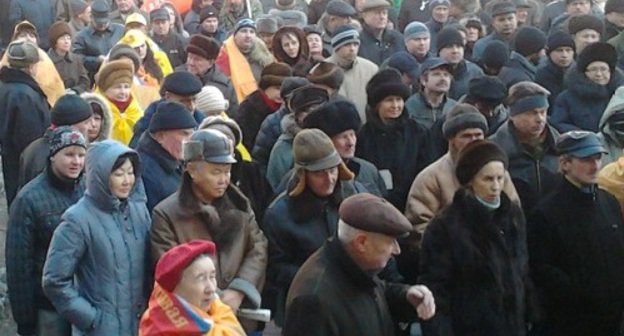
<point x="422" y="299"/>
<point x="232" y="298"/>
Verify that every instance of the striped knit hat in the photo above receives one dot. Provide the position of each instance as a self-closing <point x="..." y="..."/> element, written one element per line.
<point x="344" y="35"/>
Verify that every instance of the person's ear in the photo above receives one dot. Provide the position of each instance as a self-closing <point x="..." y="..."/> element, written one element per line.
<point x="360" y="242"/>
<point x="191" y="168"/>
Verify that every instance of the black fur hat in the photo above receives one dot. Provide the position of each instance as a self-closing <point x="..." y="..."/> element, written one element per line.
<point x="334" y="118"/>
<point x="386" y="82"/>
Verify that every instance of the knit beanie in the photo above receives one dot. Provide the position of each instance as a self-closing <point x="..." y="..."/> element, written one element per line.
<point x="487" y="89"/>
<point x="172" y="264"/>
<point x="325" y="73"/>
<point x="290" y="84"/>
<point x="65" y="136"/>
<point x="210" y="101"/>
<point x="120" y="50"/>
<point x="227" y="126"/>
<point x="274" y="74"/>
<point x="449" y="36"/>
<point x="476" y="155"/>
<point x="208" y="12"/>
<point x="77" y="7"/>
<point x="204" y="46"/>
<point x="114" y="72"/>
<point x="586" y="21"/>
<point x="244" y="23"/>
<point x="313" y="150"/>
<point x="599" y="51"/>
<point x="495" y="55"/>
<point x="58" y="30"/>
<point x="616" y="6"/>
<point x="463" y="116"/>
<point x="70" y="109"/>
<point x="529" y="40"/>
<point x="171" y="116"/>
<point x="334" y="117"/>
<point x="559" y="39"/>
<point x="415" y="30"/>
<point x="344" y="35"/>
<point x="385" y="83"/>
<point x="267" y="25"/>
<point x="21" y="54"/>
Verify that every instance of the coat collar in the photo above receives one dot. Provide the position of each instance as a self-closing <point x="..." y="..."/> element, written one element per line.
<point x="345" y="263"/>
<point x="151" y="147"/>
<point x="10" y="75"/>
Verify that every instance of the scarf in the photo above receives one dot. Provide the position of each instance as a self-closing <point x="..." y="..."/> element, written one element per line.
<point x="240" y="70"/>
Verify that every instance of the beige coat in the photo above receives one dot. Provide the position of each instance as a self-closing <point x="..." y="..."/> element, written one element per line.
<point x="432" y="190"/>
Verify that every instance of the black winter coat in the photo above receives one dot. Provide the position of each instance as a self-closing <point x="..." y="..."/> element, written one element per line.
<point x="215" y="77"/>
<point x="475" y="262"/>
<point x="518" y="69"/>
<point x="332" y="296"/>
<point x="581" y="106"/>
<point x="462" y="74"/>
<point x="24" y="117"/>
<point x="401" y="149"/>
<point x="34" y="159"/>
<point x="576" y="248"/>
<point x="376" y="50"/>
<point x="550" y="76"/>
<point x="174" y="45"/>
<point x="251" y="113"/>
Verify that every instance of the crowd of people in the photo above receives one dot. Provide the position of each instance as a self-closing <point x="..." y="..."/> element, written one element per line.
<point x="369" y="167"/>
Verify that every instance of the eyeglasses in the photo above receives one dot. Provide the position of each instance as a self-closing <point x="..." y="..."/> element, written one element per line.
<point x="598" y="69"/>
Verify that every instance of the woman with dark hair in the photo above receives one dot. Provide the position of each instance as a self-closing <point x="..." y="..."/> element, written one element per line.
<point x="102" y="124"/>
<point x="95" y="271"/>
<point x="396" y="144"/>
<point x="290" y="46"/>
<point x="474" y="254"/>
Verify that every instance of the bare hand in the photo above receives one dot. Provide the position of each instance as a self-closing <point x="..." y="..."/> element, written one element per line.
<point x="232" y="298"/>
<point x="422" y="299"/>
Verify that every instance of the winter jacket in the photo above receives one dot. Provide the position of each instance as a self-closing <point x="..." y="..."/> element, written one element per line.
<point x="95" y="272"/>
<point x="25" y="117"/>
<point x="613" y="142"/>
<point x="475" y="262"/>
<point x="174" y="45"/>
<point x="400" y="150"/>
<point x="576" y="248"/>
<point x="106" y="127"/>
<point x="420" y="110"/>
<point x="462" y="74"/>
<point x="533" y="171"/>
<point x="518" y="69"/>
<point x="229" y="222"/>
<point x="413" y="10"/>
<point x="367" y="175"/>
<point x="550" y="76"/>
<point x="611" y="30"/>
<point x="162" y="173"/>
<point x="35" y="214"/>
<point x="270" y="130"/>
<point x="71" y="69"/>
<point x="331" y="295"/>
<point x="296" y="226"/>
<point x="34" y="158"/>
<point x="433" y="190"/>
<point x="218" y="79"/>
<point x="482" y="43"/>
<point x="251" y="114"/>
<point x="582" y="104"/>
<point x="92" y="44"/>
<point x="281" y="159"/>
<point x="40" y="13"/>
<point x="355" y="79"/>
<point x="376" y="50"/>
<point x="434" y="27"/>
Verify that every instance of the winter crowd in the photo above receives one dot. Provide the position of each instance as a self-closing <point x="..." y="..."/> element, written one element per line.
<point x="365" y="167"/>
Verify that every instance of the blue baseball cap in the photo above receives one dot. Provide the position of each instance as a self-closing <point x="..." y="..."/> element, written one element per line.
<point x="580" y="144"/>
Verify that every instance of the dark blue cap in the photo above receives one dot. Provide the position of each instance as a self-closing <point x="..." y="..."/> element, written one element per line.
<point x="170" y="116"/>
<point x="580" y="144"/>
<point x="433" y="63"/>
<point x="182" y="83"/>
<point x="405" y="63"/>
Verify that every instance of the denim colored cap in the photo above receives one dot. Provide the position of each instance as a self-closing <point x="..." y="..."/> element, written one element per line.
<point x="580" y="144"/>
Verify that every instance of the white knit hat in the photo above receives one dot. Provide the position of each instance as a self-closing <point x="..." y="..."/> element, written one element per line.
<point x="210" y="101"/>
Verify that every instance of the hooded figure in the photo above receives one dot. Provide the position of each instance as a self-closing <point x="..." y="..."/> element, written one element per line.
<point x="102" y="115"/>
<point x="95" y="272"/>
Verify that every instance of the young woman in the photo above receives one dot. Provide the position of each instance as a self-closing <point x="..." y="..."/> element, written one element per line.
<point x="95" y="272"/>
<point x="290" y="46"/>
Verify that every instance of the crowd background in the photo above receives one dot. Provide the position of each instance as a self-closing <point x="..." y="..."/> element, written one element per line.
<point x="130" y="128"/>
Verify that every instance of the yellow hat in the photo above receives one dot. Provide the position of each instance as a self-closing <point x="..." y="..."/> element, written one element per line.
<point x="134" y="38"/>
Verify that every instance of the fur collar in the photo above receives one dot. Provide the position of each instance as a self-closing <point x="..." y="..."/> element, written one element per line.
<point x="107" y="115"/>
<point x="583" y="87"/>
<point x="290" y="128"/>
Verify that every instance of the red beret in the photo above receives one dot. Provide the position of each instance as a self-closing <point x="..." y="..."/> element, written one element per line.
<point x="171" y="264"/>
<point x="370" y="213"/>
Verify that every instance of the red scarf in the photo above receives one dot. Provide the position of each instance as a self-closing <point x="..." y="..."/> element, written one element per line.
<point x="270" y="103"/>
<point x="122" y="106"/>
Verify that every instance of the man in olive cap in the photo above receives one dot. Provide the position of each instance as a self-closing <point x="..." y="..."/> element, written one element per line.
<point x="25" y="110"/>
<point x="337" y="291"/>
<point x="576" y="245"/>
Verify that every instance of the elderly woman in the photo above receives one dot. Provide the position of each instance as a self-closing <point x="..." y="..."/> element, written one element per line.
<point x="186" y="283"/>
<point x="95" y="270"/>
<point x="474" y="254"/>
<point x="207" y="206"/>
<point x="591" y="84"/>
<point x="396" y="144"/>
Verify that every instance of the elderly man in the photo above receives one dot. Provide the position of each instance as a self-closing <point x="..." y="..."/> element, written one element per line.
<point x="162" y="32"/>
<point x="95" y="41"/>
<point x="378" y="41"/>
<point x="576" y="245"/>
<point x="337" y="292"/>
<point x="428" y="105"/>
<point x="357" y="70"/>
<point x="202" y="53"/>
<point x="243" y="57"/>
<point x="25" y="110"/>
<point x="337" y="13"/>
<point x="504" y="24"/>
<point x="440" y="10"/>
<point x="124" y="9"/>
<point x="586" y="29"/>
<point x="160" y="150"/>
